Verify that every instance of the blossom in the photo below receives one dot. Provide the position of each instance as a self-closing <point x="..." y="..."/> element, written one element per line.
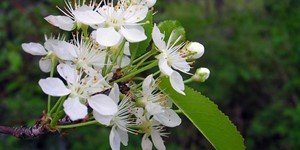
<point x="154" y="129"/>
<point x="120" y="23"/>
<point x="171" y="57"/>
<point x="76" y="16"/>
<point x="148" y="3"/>
<point x="49" y="51"/>
<point x="79" y="90"/>
<point x="119" y="120"/>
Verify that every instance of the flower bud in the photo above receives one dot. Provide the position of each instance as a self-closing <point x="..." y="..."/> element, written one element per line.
<point x="201" y="74"/>
<point x="196" y="49"/>
<point x="150" y="3"/>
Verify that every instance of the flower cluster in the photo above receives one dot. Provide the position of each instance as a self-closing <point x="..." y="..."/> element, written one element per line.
<point x="100" y="80"/>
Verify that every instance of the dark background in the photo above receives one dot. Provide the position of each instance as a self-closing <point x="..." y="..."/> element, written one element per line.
<point x="252" y="50"/>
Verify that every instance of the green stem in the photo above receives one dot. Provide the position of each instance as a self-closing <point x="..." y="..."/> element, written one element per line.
<point x="57" y="103"/>
<point x="179" y="111"/>
<point x="116" y="57"/>
<point x="137" y="72"/>
<point x="188" y="80"/>
<point x="57" y="114"/>
<point x="53" y="65"/>
<point x="77" y="125"/>
<point x="105" y="64"/>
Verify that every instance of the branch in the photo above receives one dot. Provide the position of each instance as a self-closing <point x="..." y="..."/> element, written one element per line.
<point x="25" y="132"/>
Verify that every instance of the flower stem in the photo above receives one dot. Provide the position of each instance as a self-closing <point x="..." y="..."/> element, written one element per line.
<point x="105" y="64"/>
<point x="116" y="57"/>
<point x="137" y="72"/>
<point x="188" y="80"/>
<point x="54" y="62"/>
<point x="77" y="125"/>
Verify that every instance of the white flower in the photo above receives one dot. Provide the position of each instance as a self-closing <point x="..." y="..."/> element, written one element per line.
<point x="75" y="16"/>
<point x="47" y="51"/>
<point x="119" y="120"/>
<point x="171" y="57"/>
<point x="196" y="49"/>
<point x="121" y="22"/>
<point x="155" y="130"/>
<point x="80" y="91"/>
<point x="148" y="3"/>
<point x="87" y="54"/>
<point x="157" y="104"/>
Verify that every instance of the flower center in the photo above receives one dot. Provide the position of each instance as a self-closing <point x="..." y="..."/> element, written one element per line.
<point x="114" y="22"/>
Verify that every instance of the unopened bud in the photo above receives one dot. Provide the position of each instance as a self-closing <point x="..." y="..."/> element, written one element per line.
<point x="150" y="3"/>
<point x="201" y="74"/>
<point x="196" y="49"/>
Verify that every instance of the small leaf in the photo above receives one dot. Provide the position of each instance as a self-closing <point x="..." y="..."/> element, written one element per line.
<point x="169" y="26"/>
<point x="137" y="49"/>
<point x="205" y="115"/>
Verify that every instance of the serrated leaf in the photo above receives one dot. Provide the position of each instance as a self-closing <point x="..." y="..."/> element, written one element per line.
<point x="169" y="26"/>
<point x="205" y="115"/>
<point x="137" y="49"/>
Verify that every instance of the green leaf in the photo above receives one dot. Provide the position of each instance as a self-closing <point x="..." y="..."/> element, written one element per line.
<point x="169" y="26"/>
<point x="205" y="115"/>
<point x="137" y="49"/>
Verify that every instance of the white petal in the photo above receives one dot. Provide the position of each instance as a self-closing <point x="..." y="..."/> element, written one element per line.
<point x="146" y="143"/>
<point x="88" y="17"/>
<point x="148" y="85"/>
<point x="63" y="22"/>
<point x="103" y="119"/>
<point x="154" y="108"/>
<point x="50" y="43"/>
<point x="103" y="104"/>
<point x="157" y="140"/>
<point x="126" y="49"/>
<point x="164" y="67"/>
<point x="54" y="87"/>
<point x="45" y="65"/>
<point x="135" y="13"/>
<point x="74" y="109"/>
<point x="168" y="118"/>
<point x="115" y="93"/>
<point x="133" y="33"/>
<point x="125" y="61"/>
<point x="65" y="51"/>
<point x="158" y="38"/>
<point x="177" y="82"/>
<point x="123" y="136"/>
<point x="69" y="73"/>
<point x="34" y="49"/>
<point x="138" y="112"/>
<point x="108" y="36"/>
<point x="114" y="139"/>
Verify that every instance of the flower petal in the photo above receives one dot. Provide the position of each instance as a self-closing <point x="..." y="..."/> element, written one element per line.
<point x="177" y="82"/>
<point x="74" y="109"/>
<point x="168" y="118"/>
<point x="133" y="33"/>
<point x="123" y="136"/>
<point x="63" y="22"/>
<point x="114" y="139"/>
<point x="108" y="36"/>
<point x="88" y="17"/>
<point x="135" y="13"/>
<point x="158" y="38"/>
<point x="54" y="87"/>
<point x="157" y="140"/>
<point x="126" y="49"/>
<point x="115" y="93"/>
<point x="68" y="73"/>
<point x="164" y="67"/>
<point x="45" y="65"/>
<point x="146" y="143"/>
<point x="154" y="108"/>
<point x="103" y="104"/>
<point x="103" y="119"/>
<point x="34" y="49"/>
<point x="148" y="85"/>
<point x="65" y="51"/>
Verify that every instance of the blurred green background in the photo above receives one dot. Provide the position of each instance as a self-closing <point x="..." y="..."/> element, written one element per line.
<point x="252" y="50"/>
